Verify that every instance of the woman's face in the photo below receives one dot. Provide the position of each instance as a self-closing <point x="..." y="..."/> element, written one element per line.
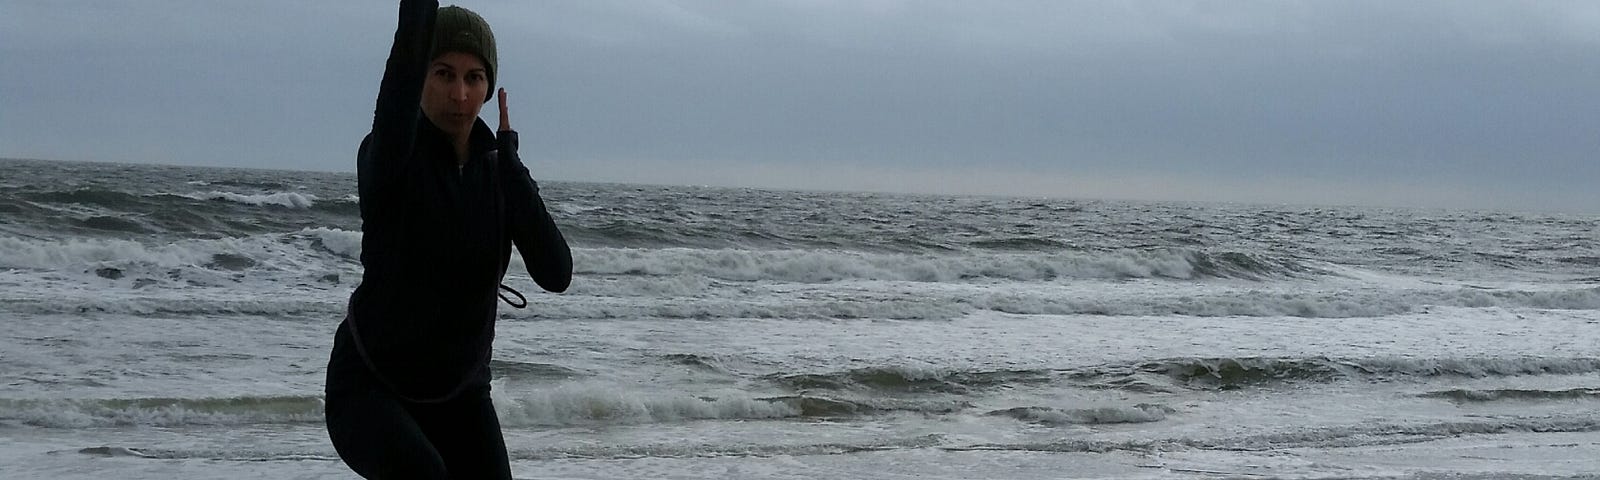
<point x="454" y="91"/>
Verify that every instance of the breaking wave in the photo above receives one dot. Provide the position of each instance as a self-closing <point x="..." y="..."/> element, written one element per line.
<point x="1140" y="413"/>
<point x="273" y="251"/>
<point x="700" y="298"/>
<point x="821" y="266"/>
<point x="572" y="399"/>
<point x="529" y="371"/>
<point x="78" y="413"/>
<point x="828" y="407"/>
<point x="345" y="243"/>
<point x="1236" y="373"/>
<point x="910" y="380"/>
<point x="279" y="199"/>
<point x="595" y="403"/>
<point x="590" y="404"/>
<point x="1171" y="375"/>
<point x="1513" y="394"/>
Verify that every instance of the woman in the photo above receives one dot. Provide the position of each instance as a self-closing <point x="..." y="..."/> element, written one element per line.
<point x="443" y="199"/>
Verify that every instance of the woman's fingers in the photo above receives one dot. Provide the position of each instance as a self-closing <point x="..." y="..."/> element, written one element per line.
<point x="505" y="117"/>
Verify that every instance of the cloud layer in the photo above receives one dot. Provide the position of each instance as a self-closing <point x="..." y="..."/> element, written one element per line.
<point x="1467" y="104"/>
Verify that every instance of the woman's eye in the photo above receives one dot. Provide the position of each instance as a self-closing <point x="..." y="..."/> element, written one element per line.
<point x="475" y="78"/>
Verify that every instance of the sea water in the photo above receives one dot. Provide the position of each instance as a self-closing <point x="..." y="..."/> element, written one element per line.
<point x="175" y="322"/>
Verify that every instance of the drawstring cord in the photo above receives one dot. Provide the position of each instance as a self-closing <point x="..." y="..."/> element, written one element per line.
<point x="508" y="301"/>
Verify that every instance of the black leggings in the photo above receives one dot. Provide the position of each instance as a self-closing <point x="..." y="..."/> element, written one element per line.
<point x="382" y="436"/>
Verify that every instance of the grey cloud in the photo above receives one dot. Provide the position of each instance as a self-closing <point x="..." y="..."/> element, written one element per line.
<point x="1267" y="100"/>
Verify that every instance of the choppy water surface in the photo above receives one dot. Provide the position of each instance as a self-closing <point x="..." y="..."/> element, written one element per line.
<point x="174" y="322"/>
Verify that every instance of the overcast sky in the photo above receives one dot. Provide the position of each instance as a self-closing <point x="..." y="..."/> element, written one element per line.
<point x="1450" y="103"/>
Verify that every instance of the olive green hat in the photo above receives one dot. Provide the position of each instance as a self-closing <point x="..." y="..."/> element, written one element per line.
<point x="457" y="29"/>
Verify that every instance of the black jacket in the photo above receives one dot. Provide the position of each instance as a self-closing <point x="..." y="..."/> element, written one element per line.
<point x="437" y="239"/>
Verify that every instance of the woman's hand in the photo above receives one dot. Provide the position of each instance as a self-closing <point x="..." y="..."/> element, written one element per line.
<point x="505" y="117"/>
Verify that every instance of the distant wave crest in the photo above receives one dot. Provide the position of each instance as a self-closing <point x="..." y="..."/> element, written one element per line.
<point x="817" y="266"/>
<point x="285" y="251"/>
<point x="1513" y="394"/>
<point x="591" y="403"/>
<point x="1140" y="413"/>
<point x="595" y="403"/>
<point x="84" y="413"/>
<point x="1171" y="375"/>
<point x="281" y="199"/>
<point x="687" y="299"/>
<point x="1243" y="372"/>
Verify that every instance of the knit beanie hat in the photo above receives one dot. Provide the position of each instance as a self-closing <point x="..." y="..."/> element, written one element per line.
<point x="457" y="29"/>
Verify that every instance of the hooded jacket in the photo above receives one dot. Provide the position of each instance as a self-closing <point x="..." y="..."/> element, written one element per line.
<point x="437" y="239"/>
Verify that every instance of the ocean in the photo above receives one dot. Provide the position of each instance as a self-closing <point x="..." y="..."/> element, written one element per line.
<point x="175" y="322"/>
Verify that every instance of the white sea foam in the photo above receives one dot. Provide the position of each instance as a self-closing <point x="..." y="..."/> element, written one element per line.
<point x="275" y="252"/>
<point x="282" y="199"/>
<point x="821" y="266"/>
<point x="81" y="413"/>
<point x="598" y="403"/>
<point x="685" y="283"/>
<point x="1179" y="305"/>
<point x="808" y="266"/>
<point x="78" y="253"/>
<point x="343" y="242"/>
<point x="567" y="209"/>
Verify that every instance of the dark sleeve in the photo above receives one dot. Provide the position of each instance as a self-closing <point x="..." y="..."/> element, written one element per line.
<point x="543" y="249"/>
<point x="394" y="121"/>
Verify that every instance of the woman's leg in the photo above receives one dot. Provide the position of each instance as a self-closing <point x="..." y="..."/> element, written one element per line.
<point x="372" y="430"/>
<point x="466" y="432"/>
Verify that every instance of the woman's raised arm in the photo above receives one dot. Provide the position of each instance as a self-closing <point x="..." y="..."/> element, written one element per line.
<point x="394" y="121"/>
